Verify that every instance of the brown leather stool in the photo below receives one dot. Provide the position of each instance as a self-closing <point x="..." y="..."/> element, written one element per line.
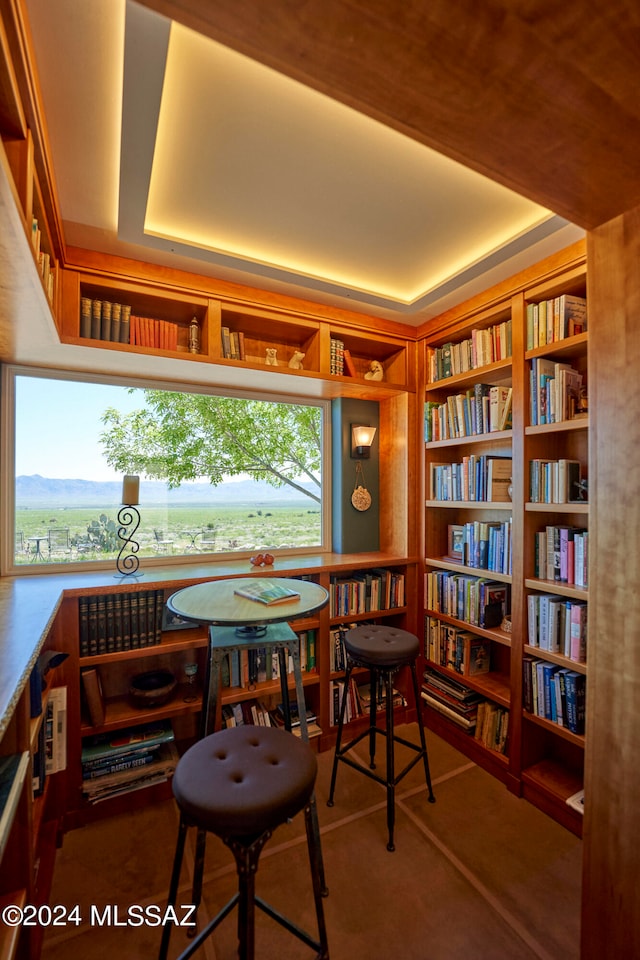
<point x="383" y="650"/>
<point x="240" y="784"/>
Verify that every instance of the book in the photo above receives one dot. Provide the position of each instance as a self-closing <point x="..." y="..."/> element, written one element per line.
<point x="93" y="695"/>
<point x="268" y="592"/>
<point x="126" y="741"/>
<point x="499" y="470"/>
<point x="349" y="365"/>
<point x="159" y="769"/>
<point x="56" y="730"/>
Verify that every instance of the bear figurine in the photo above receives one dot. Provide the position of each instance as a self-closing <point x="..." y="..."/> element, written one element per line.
<point x="296" y="360"/>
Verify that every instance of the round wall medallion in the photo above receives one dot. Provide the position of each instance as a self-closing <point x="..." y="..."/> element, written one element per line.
<point x="361" y="498"/>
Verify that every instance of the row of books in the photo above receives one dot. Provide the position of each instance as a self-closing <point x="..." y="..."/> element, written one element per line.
<point x="359" y="700"/>
<point x="556" y="693"/>
<point x="486" y="545"/>
<point x="232" y="344"/>
<point x="555" y="319"/>
<point x="468" y="709"/>
<point x="555" y="390"/>
<point x="479" y="601"/>
<point x="451" y="698"/>
<point x="562" y="554"/>
<point x="104" y="320"/>
<point x="492" y="726"/>
<point x="376" y="589"/>
<point x="246" y="668"/>
<point x="558" y="624"/>
<point x="456" y="649"/>
<point x="43" y="260"/>
<point x="113" y="622"/>
<point x="258" y="714"/>
<point x="147" y="332"/>
<point x="336" y="356"/>
<point x="475" y="478"/>
<point x="50" y="755"/>
<point x="485" y="408"/>
<point x="122" y="761"/>
<point x="483" y="347"/>
<point x="337" y="651"/>
<point x="554" y="481"/>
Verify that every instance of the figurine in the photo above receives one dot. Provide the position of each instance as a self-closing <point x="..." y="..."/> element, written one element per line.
<point x="272" y="357"/>
<point x="375" y="371"/>
<point x="296" y="360"/>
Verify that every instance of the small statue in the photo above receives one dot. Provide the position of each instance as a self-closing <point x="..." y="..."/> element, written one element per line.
<point x="375" y="371"/>
<point x="583" y="491"/>
<point x="272" y="357"/>
<point x="194" y="336"/>
<point x="296" y="360"/>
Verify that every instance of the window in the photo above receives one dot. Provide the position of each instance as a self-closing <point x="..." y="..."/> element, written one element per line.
<point x="217" y="474"/>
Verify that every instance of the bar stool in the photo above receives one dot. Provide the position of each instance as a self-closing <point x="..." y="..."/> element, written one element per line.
<point x="383" y="650"/>
<point x="240" y="784"/>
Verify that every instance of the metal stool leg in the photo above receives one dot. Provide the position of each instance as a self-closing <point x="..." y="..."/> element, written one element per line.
<point x="374" y="682"/>
<point x="338" y="748"/>
<point x="173" y="886"/>
<point x="391" y="781"/>
<point x="423" y="741"/>
<point x="315" y="861"/>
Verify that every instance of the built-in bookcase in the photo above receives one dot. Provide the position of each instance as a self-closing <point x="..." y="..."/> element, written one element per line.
<point x="546" y="436"/>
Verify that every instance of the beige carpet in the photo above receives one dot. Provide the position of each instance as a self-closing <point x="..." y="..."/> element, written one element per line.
<point x="479" y="875"/>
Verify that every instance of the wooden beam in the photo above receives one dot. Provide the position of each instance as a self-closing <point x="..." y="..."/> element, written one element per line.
<point x="540" y="96"/>
<point x="611" y="894"/>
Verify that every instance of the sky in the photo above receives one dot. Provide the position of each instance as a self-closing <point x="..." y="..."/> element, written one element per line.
<point x="75" y="452"/>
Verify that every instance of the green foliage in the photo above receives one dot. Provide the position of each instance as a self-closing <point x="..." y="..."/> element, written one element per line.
<point x="103" y="534"/>
<point x="181" y="436"/>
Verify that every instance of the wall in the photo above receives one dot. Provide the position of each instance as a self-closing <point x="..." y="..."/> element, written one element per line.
<point x="354" y="531"/>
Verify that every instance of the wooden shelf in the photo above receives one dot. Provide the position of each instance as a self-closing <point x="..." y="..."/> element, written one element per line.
<point x="476" y="438"/>
<point x="558" y="658"/>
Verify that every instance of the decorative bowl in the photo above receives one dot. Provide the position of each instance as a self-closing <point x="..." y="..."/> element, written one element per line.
<point x="152" y="689"/>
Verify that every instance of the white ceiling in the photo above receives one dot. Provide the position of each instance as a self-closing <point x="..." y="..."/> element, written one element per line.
<point x="170" y="148"/>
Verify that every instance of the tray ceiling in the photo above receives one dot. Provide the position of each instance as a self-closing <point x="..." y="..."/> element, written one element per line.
<point x="171" y="148"/>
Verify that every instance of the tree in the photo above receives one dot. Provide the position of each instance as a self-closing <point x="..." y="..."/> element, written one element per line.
<point x="187" y="436"/>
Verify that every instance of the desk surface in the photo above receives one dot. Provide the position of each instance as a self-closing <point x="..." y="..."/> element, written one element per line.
<point x="216" y="602"/>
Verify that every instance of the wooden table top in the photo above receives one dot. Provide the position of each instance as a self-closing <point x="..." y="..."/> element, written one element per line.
<point x="216" y="602"/>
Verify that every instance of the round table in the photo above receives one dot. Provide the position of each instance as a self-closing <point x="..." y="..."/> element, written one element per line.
<point x="216" y="602"/>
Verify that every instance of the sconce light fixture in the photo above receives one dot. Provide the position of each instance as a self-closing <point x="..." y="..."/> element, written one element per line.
<point x="361" y="440"/>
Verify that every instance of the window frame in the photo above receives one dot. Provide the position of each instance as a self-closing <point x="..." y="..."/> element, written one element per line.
<point x="10" y="372"/>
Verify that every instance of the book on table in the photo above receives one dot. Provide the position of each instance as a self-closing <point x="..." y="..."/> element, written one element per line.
<point x="267" y="592"/>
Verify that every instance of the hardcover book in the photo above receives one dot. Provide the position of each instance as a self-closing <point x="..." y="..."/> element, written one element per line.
<point x="267" y="592"/>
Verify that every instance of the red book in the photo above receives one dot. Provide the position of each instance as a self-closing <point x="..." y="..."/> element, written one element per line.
<point x="349" y="365"/>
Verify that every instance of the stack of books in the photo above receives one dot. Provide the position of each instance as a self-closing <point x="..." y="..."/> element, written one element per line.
<point x="126" y="760"/>
<point x="451" y="698"/>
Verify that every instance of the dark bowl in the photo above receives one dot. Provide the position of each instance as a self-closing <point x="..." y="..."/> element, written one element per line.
<point x="153" y="688"/>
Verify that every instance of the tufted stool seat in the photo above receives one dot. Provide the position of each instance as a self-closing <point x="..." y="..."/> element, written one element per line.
<point x="240" y="784"/>
<point x="383" y="650"/>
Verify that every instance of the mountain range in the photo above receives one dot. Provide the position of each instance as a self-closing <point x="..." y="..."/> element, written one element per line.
<point x="36" y="491"/>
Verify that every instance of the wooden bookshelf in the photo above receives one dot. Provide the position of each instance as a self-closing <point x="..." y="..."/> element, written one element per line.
<point x="545" y="760"/>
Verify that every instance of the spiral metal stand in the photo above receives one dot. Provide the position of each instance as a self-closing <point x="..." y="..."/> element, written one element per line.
<point x="127" y="563"/>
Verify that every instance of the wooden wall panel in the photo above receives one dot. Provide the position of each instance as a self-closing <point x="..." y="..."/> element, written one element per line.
<point x="611" y="900"/>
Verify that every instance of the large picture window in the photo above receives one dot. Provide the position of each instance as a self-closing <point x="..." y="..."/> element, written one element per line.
<point x="217" y="474"/>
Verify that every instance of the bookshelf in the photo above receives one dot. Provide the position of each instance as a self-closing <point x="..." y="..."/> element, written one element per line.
<point x="544" y="759"/>
<point x="176" y="649"/>
<point x="236" y="333"/>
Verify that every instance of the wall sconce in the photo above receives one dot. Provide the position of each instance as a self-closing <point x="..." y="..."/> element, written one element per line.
<point x="361" y="440"/>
